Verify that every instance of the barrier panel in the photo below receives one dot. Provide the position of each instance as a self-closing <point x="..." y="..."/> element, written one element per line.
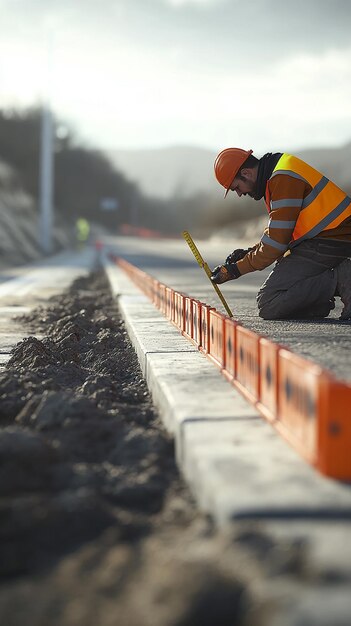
<point x="162" y="289"/>
<point x="150" y="288"/>
<point x="205" y="328"/>
<point x="313" y="414"/>
<point x="172" y="318"/>
<point x="146" y="282"/>
<point x="169" y="302"/>
<point x="179" y="311"/>
<point x="196" y="328"/>
<point x="188" y="317"/>
<point x="217" y="337"/>
<point x="298" y="402"/>
<point x="229" y="361"/>
<point x="156" y="293"/>
<point x="269" y="379"/>
<point x="247" y="377"/>
<point x="334" y="428"/>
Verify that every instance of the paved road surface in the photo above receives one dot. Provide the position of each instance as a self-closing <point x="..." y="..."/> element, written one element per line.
<point x="326" y="342"/>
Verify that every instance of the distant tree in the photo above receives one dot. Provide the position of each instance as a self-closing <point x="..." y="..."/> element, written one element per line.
<point x="83" y="177"/>
<point x="87" y="183"/>
<point x="20" y="144"/>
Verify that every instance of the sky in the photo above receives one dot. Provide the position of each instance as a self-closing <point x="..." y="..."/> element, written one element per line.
<point x="125" y="74"/>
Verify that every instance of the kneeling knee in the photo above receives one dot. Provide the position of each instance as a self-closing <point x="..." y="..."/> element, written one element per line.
<point x="266" y="314"/>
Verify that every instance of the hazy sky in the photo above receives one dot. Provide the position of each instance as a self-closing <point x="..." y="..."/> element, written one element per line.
<point x="261" y="74"/>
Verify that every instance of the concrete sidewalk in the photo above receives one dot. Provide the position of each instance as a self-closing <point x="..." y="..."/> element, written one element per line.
<point x="23" y="288"/>
<point x="236" y="465"/>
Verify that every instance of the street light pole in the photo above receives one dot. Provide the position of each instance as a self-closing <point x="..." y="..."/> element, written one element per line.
<point x="46" y="181"/>
<point x="46" y="169"/>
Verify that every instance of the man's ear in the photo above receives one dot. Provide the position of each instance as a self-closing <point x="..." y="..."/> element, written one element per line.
<point x="248" y="173"/>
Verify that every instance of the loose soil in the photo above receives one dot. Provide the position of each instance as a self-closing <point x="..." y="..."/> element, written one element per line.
<point x="96" y="526"/>
<point x="94" y="517"/>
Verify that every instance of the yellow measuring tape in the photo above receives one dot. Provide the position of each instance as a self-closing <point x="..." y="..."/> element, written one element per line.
<point x="203" y="264"/>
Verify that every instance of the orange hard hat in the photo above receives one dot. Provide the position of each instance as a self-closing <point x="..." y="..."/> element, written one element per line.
<point x="227" y="165"/>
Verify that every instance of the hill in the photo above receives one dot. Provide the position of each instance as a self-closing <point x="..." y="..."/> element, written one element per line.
<point x="186" y="170"/>
<point x="165" y="173"/>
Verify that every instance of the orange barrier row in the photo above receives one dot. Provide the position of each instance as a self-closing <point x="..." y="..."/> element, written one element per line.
<point x="305" y="403"/>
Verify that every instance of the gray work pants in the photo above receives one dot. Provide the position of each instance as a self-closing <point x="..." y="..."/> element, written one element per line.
<point x="302" y="285"/>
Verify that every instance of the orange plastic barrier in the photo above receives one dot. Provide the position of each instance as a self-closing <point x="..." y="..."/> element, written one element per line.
<point x="147" y="285"/>
<point x="217" y="337"/>
<point x="313" y="414"/>
<point x="179" y="310"/>
<point x="334" y="429"/>
<point x="205" y="328"/>
<point x="247" y="363"/>
<point x="156" y="293"/>
<point x="188" y="317"/>
<point x="162" y="289"/>
<point x="169" y="302"/>
<point x="306" y="405"/>
<point x="196" y="329"/>
<point x="229" y="361"/>
<point x="298" y="401"/>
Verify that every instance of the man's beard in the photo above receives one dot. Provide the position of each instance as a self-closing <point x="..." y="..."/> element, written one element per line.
<point x="253" y="192"/>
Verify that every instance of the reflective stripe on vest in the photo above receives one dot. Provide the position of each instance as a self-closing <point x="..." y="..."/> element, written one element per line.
<point x="324" y="208"/>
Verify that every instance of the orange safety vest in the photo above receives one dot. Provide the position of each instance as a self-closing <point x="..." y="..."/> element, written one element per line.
<point x="325" y="207"/>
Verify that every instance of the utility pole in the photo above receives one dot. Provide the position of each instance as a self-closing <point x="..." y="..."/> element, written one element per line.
<point x="134" y="208"/>
<point x="46" y="168"/>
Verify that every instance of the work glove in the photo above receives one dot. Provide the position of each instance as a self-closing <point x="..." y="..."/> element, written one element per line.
<point x="223" y="273"/>
<point x="237" y="254"/>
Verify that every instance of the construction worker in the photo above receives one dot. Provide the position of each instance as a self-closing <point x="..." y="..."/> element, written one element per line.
<point x="308" y="235"/>
<point x="82" y="231"/>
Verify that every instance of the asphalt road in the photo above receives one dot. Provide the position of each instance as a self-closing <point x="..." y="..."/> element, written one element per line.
<point x="326" y="342"/>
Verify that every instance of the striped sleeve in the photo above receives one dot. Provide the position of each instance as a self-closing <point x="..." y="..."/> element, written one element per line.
<point x="287" y="194"/>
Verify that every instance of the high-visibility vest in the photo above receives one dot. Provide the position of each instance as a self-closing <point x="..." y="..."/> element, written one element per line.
<point x="325" y="207"/>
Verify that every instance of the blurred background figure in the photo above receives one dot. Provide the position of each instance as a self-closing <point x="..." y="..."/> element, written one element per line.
<point x="82" y="232"/>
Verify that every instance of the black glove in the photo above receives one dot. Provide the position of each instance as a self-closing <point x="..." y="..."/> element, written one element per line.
<point x="236" y="255"/>
<point x="223" y="273"/>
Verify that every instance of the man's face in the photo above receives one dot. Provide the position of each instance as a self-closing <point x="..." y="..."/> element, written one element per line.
<point x="245" y="184"/>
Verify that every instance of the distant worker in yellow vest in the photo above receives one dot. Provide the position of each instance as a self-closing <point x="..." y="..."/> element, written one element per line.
<point x="308" y="235"/>
<point x="82" y="231"/>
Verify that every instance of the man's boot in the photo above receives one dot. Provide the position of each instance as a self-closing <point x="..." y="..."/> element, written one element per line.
<point x="343" y="287"/>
